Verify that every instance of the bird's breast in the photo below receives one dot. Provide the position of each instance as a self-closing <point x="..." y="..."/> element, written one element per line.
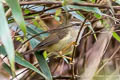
<point x="63" y="43"/>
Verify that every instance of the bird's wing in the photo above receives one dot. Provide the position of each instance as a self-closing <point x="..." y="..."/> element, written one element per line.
<point x="49" y="41"/>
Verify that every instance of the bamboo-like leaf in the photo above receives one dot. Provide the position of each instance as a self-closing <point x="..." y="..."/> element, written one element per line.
<point x="6" y="37"/>
<point x="7" y="68"/>
<point x="79" y="16"/>
<point x="76" y="15"/>
<point x="117" y="1"/>
<point x="22" y="62"/>
<point x="25" y="63"/>
<point x="32" y="30"/>
<point x="2" y="50"/>
<point x="116" y="36"/>
<point x="17" y="13"/>
<point x="43" y="65"/>
<point x="41" y="60"/>
<point x="89" y="9"/>
<point x="90" y="26"/>
<point x="93" y="1"/>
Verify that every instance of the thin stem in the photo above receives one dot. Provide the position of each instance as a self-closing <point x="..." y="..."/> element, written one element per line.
<point x="60" y="3"/>
<point x="73" y="54"/>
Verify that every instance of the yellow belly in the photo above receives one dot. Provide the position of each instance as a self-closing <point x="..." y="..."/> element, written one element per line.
<point x="61" y="44"/>
<point x="70" y="37"/>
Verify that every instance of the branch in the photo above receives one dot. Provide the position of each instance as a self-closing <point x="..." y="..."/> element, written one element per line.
<point x="60" y="3"/>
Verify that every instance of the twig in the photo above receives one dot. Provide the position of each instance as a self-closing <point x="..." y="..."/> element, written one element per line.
<point x="54" y="7"/>
<point x="60" y="3"/>
<point x="91" y="33"/>
<point x="73" y="54"/>
<point x="48" y="14"/>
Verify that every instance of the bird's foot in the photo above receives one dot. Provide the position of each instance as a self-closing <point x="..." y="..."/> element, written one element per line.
<point x="66" y="58"/>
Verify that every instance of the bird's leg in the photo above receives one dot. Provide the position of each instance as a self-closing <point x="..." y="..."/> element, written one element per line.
<point x="68" y="46"/>
<point x="63" y="56"/>
<point x="63" y="51"/>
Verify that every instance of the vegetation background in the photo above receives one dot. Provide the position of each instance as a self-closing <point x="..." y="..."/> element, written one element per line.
<point x="25" y="23"/>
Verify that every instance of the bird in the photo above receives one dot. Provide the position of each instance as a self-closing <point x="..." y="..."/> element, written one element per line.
<point x="59" y="40"/>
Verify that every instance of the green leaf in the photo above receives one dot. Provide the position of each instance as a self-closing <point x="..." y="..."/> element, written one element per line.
<point x="32" y="30"/>
<point x="117" y="1"/>
<point x="88" y="9"/>
<point x="36" y="23"/>
<point x="26" y="64"/>
<point x="17" y="13"/>
<point x="76" y="15"/>
<point x="93" y="1"/>
<point x="57" y="18"/>
<point x="34" y="42"/>
<point x="64" y="2"/>
<point x="58" y="12"/>
<point x="22" y="62"/>
<point x="6" y="37"/>
<point x="7" y="68"/>
<point x="45" y="54"/>
<point x="116" y="36"/>
<point x="43" y="65"/>
<point x="2" y="50"/>
<point x="26" y="11"/>
<point x="97" y="15"/>
<point x="80" y="1"/>
<point x="90" y="26"/>
<point x="41" y="59"/>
